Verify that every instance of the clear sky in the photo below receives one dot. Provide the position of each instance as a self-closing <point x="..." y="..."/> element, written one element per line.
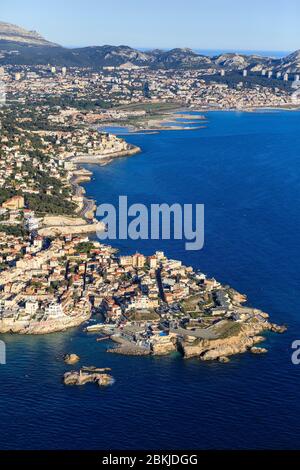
<point x="199" y="24"/>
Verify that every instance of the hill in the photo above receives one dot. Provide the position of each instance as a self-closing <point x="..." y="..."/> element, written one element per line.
<point x="21" y="47"/>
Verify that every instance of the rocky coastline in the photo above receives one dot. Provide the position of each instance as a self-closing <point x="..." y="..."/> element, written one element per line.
<point x="218" y="349"/>
<point x="241" y="342"/>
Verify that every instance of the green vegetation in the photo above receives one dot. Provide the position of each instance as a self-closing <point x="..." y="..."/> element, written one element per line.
<point x="6" y="194"/>
<point x="70" y="101"/>
<point x="190" y="304"/>
<point x="15" y="230"/>
<point x="227" y="329"/>
<point x="46" y="204"/>
<point x="150" y="108"/>
<point x="85" y="247"/>
<point x="196" y="314"/>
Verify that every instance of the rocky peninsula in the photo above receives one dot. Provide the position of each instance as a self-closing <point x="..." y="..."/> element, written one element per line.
<point x="228" y="343"/>
<point x="54" y="277"/>
<point x="223" y="341"/>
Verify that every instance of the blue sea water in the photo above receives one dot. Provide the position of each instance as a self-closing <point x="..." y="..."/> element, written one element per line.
<point x="245" y="168"/>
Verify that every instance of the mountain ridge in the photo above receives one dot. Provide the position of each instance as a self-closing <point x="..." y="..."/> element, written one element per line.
<point x="19" y="46"/>
<point x="13" y="33"/>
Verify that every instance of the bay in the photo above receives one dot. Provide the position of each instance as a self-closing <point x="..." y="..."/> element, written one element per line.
<point x="245" y="168"/>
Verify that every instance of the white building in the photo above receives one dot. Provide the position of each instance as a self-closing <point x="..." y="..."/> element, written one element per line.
<point x="54" y="310"/>
<point x="32" y="223"/>
<point x="140" y="303"/>
<point x="31" y="307"/>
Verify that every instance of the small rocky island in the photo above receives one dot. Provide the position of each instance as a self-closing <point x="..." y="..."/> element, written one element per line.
<point x="216" y="343"/>
<point x="71" y="359"/>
